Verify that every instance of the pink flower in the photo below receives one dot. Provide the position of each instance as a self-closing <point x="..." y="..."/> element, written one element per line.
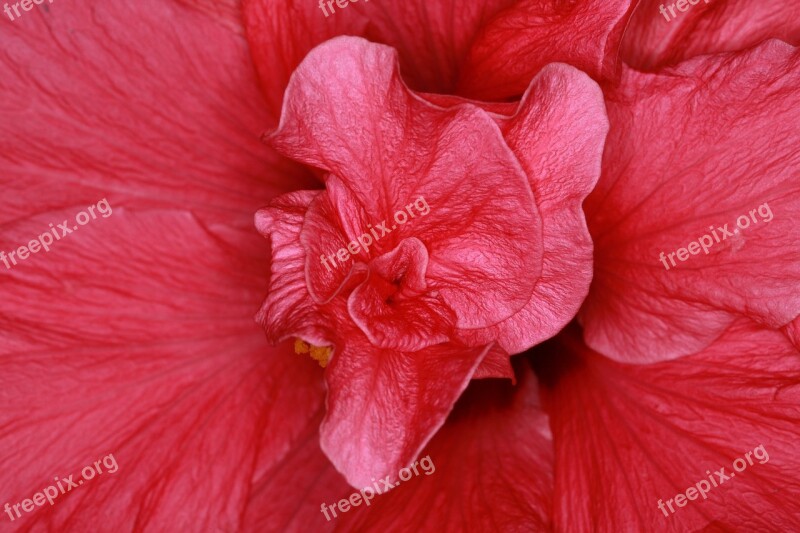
<point x="135" y="335"/>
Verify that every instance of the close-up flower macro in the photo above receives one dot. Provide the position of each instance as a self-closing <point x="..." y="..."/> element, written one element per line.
<point x="408" y="266"/>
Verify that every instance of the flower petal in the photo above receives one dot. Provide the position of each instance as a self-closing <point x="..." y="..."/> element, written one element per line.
<point x="490" y="469"/>
<point x="708" y="151"/>
<point x="558" y="132"/>
<point x="629" y="437"/>
<point x="384" y="405"/>
<point x="793" y="331"/>
<point x="532" y="33"/>
<point x="289" y="310"/>
<point x="282" y="33"/>
<point x="401" y="315"/>
<point x="134" y="337"/>
<point x="159" y="128"/>
<point x="655" y="39"/>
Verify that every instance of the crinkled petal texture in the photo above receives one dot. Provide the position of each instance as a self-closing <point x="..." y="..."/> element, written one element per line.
<point x="558" y="132"/>
<point x="522" y="39"/>
<point x="793" y="332"/>
<point x="492" y="469"/>
<point x="383" y="404"/>
<point x="732" y="406"/>
<point x="133" y="335"/>
<point x="656" y="39"/>
<point x="695" y="216"/>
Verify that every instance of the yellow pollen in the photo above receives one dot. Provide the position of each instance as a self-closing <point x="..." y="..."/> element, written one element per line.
<point x="319" y="354"/>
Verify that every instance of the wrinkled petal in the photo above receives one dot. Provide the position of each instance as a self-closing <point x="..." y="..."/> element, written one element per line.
<point x="629" y="436"/>
<point x="793" y="332"/>
<point x="289" y="310"/>
<point x="334" y="220"/>
<point x="517" y="43"/>
<point x="390" y="149"/>
<point x="507" y="487"/>
<point x="692" y="154"/>
<point x="655" y="39"/>
<point x="384" y="405"/>
<point x="558" y="132"/>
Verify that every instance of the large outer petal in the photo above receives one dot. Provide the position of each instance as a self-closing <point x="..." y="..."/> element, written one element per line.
<point x="161" y="125"/>
<point x="134" y="336"/>
<point x="628" y="436"/>
<point x="348" y="112"/>
<point x="694" y="147"/>
<point x="712" y="26"/>
<point x="532" y="33"/>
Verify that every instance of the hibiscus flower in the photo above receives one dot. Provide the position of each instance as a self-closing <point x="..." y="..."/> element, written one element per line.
<point x="134" y="334"/>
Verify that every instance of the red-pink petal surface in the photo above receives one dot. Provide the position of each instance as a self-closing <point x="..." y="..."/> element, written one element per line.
<point x="157" y="361"/>
<point x="288" y="494"/>
<point x="281" y="34"/>
<point x="384" y="405"/>
<point x="348" y="112"/>
<point x="391" y="306"/>
<point x="161" y="129"/>
<point x="134" y="335"/>
<point x="289" y="310"/>
<point x="496" y="364"/>
<point x="793" y="331"/>
<point x="697" y="147"/>
<point x="558" y="132"/>
<point x="627" y="436"/>
<point x="654" y="40"/>
<point x="521" y="40"/>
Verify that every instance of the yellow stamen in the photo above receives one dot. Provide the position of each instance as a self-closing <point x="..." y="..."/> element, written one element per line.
<point x="320" y="354"/>
<point x="300" y="346"/>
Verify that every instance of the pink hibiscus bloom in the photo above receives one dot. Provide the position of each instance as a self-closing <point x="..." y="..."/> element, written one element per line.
<point x="138" y="386"/>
